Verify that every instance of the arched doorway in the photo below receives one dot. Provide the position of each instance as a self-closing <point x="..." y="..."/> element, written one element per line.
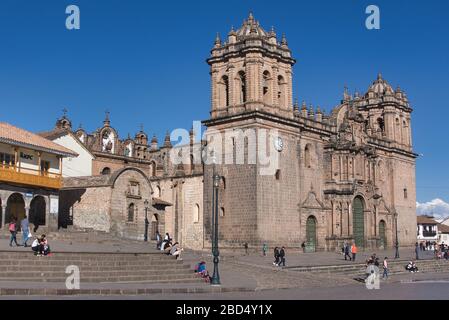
<point x="358" y="222"/>
<point x="311" y="241"/>
<point x="154" y="226"/>
<point x="37" y="212"/>
<point x="382" y="234"/>
<point x="15" y="208"/>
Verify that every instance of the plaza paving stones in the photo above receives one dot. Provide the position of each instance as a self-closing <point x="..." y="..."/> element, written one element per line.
<point x="115" y="267"/>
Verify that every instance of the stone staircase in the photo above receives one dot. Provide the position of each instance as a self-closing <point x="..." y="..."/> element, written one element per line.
<point x="95" y="268"/>
<point x="357" y="271"/>
<point x="74" y="235"/>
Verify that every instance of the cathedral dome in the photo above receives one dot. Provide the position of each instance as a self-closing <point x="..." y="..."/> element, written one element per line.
<point x="380" y="87"/>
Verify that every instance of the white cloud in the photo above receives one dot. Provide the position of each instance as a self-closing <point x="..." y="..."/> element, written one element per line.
<point x="437" y="208"/>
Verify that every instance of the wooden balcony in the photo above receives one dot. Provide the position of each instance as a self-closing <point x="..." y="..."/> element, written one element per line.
<point x="30" y="177"/>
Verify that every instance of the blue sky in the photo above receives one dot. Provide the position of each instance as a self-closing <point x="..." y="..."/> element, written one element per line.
<point x="145" y="62"/>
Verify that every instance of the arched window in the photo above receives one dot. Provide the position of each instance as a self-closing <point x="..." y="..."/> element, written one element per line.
<point x="223" y="183"/>
<point x="266" y="87"/>
<point x="131" y="211"/>
<point x="106" y="170"/>
<point x="307" y="156"/>
<point x="381" y="124"/>
<point x="196" y="213"/>
<point x="222" y="212"/>
<point x="153" y="169"/>
<point x="223" y="86"/>
<point x="158" y="191"/>
<point x="282" y="86"/>
<point x="242" y="87"/>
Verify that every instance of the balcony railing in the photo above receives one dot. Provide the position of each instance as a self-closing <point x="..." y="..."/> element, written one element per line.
<point x="429" y="234"/>
<point x="30" y="177"/>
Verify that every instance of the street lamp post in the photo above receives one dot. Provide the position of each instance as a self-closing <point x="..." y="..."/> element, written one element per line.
<point x="216" y="183"/>
<point x="396" y="256"/>
<point x="145" y="235"/>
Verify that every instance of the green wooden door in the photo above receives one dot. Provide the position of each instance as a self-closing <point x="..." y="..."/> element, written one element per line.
<point x="358" y="223"/>
<point x="382" y="234"/>
<point x="311" y="235"/>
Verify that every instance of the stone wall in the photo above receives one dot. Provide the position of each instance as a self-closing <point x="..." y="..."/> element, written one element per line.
<point x="121" y="200"/>
<point x="89" y="208"/>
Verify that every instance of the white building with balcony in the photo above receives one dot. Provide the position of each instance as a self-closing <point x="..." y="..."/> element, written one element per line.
<point x="30" y="177"/>
<point x="427" y="229"/>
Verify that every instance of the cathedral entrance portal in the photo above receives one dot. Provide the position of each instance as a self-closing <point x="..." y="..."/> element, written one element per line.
<point x="358" y="223"/>
<point x="311" y="234"/>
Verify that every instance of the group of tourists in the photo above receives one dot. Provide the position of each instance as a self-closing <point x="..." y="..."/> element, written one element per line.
<point x="375" y="262"/>
<point x="441" y="251"/>
<point x="411" y="266"/>
<point x="14" y="228"/>
<point x="349" y="251"/>
<point x="167" y="246"/>
<point x="279" y="257"/>
<point x="427" y="245"/>
<point x="40" y="246"/>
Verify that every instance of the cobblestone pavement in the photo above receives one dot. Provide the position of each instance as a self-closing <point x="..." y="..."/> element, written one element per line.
<point x="406" y="287"/>
<point x="244" y="268"/>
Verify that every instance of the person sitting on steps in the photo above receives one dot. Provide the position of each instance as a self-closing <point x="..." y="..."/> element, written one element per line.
<point x="176" y="251"/>
<point x="36" y="246"/>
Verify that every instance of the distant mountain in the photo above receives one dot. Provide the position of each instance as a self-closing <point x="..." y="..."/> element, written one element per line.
<point x="436" y="208"/>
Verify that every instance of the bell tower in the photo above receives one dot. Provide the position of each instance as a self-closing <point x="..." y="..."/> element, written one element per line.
<point x="251" y="71"/>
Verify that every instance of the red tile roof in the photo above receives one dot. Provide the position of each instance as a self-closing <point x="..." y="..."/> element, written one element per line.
<point x="443" y="228"/>
<point x="426" y="220"/>
<point x="15" y="136"/>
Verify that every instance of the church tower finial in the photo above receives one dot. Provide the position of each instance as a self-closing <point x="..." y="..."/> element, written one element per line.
<point x="217" y="41"/>
<point x="107" y="120"/>
<point x="64" y="122"/>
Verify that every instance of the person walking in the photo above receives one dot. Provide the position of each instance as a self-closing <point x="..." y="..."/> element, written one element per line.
<point x="13" y="231"/>
<point x="264" y="249"/>
<point x="417" y="250"/>
<point x="282" y="257"/>
<point x="245" y="245"/>
<point x="385" y="266"/>
<point x="353" y="251"/>
<point x="346" y="251"/>
<point x="276" y="256"/>
<point x="158" y="240"/>
<point x="25" y="226"/>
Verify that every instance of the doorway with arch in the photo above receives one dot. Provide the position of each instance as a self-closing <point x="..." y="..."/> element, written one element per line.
<point x="37" y="212"/>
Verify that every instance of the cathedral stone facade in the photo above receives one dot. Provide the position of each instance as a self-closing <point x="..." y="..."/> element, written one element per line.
<point x="344" y="176"/>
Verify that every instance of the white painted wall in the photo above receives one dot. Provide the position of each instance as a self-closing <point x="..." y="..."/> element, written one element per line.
<point x="443" y="237"/>
<point x="32" y="164"/>
<point x="80" y="166"/>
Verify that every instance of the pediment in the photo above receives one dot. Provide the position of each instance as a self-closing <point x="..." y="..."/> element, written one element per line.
<point x="312" y="201"/>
